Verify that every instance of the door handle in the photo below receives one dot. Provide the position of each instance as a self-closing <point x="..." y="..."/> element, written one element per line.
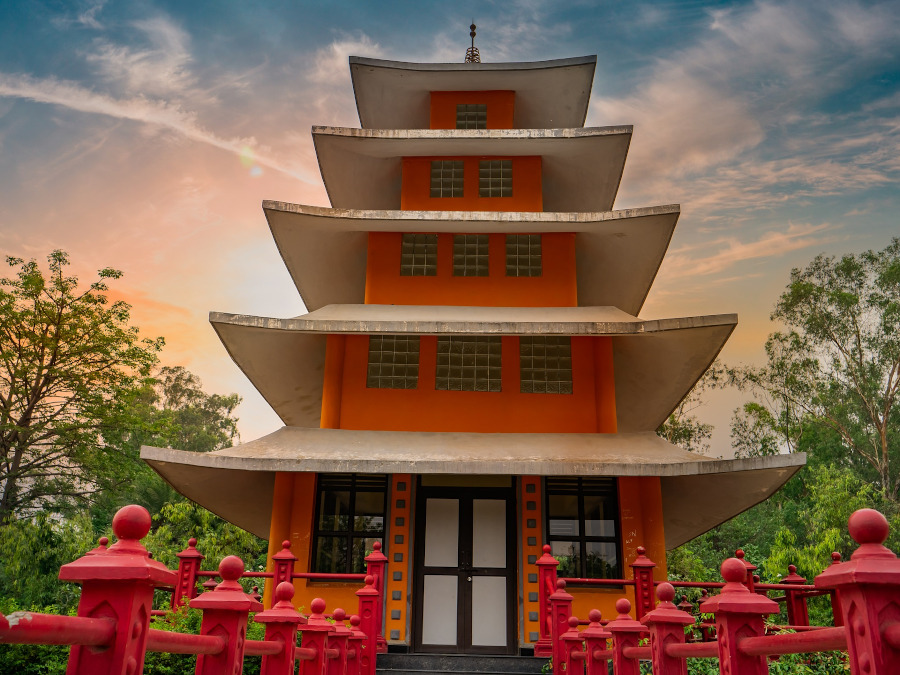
<point x="468" y="578"/>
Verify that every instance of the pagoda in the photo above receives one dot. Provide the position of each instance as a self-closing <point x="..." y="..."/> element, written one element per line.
<point x="471" y="380"/>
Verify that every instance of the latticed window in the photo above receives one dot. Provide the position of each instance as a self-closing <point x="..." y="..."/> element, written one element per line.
<point x="495" y="178"/>
<point x="468" y="363"/>
<point x="349" y="520"/>
<point x="418" y="255"/>
<point x="471" y="116"/>
<point x="583" y="526"/>
<point x="523" y="255"/>
<point x="545" y="365"/>
<point x="470" y="255"/>
<point x="447" y="178"/>
<point x="393" y="362"/>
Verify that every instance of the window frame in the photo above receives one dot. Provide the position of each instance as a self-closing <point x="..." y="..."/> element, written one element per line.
<point x="332" y="482"/>
<point x="612" y="501"/>
<point x="419" y="250"/>
<point x="488" y="181"/>
<point x="471" y="113"/>
<point x="445" y="167"/>
<point x="378" y="379"/>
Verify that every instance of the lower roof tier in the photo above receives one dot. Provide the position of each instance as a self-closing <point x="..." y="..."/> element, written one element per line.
<point x="580" y="168"/>
<point x="698" y="492"/>
<point x="617" y="253"/>
<point x="655" y="362"/>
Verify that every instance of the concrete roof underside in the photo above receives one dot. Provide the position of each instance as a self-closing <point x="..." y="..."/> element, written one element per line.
<point x="656" y="362"/>
<point x="617" y="253"/>
<point x="396" y="95"/>
<point x="580" y="168"/>
<point x="698" y="492"/>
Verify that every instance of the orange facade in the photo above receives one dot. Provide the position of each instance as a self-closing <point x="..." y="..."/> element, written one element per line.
<point x="415" y="192"/>
<point x="349" y="404"/>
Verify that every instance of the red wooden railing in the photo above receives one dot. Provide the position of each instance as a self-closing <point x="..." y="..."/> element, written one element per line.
<point x="865" y="594"/>
<point x="112" y="632"/>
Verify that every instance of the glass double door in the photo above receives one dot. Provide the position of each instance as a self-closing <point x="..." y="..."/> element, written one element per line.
<point x="465" y="584"/>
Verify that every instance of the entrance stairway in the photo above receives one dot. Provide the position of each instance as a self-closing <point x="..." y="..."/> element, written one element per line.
<point x="456" y="664"/>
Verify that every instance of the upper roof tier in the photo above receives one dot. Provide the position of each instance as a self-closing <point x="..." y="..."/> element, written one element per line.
<point x="548" y="94"/>
<point x="617" y="253"/>
<point x="580" y="168"/>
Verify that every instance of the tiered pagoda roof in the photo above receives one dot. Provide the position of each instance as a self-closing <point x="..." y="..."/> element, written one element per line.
<point x="618" y="253"/>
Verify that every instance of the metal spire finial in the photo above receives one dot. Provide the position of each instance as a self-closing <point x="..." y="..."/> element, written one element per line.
<point x="472" y="55"/>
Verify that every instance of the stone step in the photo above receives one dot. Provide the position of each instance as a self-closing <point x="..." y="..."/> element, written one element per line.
<point x="463" y="664"/>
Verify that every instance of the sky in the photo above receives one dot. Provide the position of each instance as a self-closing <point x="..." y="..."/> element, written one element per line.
<point x="144" y="135"/>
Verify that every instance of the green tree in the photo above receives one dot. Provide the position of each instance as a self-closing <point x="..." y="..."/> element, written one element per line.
<point x="69" y="360"/>
<point x="837" y="364"/>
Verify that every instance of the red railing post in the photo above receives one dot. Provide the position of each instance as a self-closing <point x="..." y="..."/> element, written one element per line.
<point x="338" y="640"/>
<point x="355" y="646"/>
<point x="751" y="568"/>
<point x="666" y="624"/>
<point x="226" y="610"/>
<point x="739" y="614"/>
<point x="868" y="588"/>
<point x="376" y="564"/>
<point x="626" y="632"/>
<point x="314" y="637"/>
<point x="835" y="601"/>
<point x="281" y="623"/>
<point x="642" y="571"/>
<point x="572" y="649"/>
<point x="795" y="601"/>
<point x="368" y="604"/>
<point x="546" y="565"/>
<point x="117" y="584"/>
<point x="560" y="611"/>
<point x="283" y="565"/>
<point x="188" y="566"/>
<point x="595" y="648"/>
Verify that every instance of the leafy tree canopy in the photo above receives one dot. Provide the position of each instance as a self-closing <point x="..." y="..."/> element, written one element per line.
<point x="69" y="362"/>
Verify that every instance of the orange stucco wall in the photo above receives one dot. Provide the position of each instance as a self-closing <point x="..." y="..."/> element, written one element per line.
<point x="556" y="287"/>
<point x="500" y="107"/>
<point x="428" y="409"/>
<point x="415" y="191"/>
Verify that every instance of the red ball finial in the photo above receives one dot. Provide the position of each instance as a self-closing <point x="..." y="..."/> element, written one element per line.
<point x="734" y="570"/>
<point x="355" y="620"/>
<point x="231" y="568"/>
<point x="665" y="592"/>
<point x="546" y="549"/>
<point x="103" y="541"/>
<point x="192" y="542"/>
<point x="573" y="622"/>
<point x="641" y="550"/>
<point x="339" y="614"/>
<point x="285" y="545"/>
<point x="377" y="546"/>
<point x="623" y="605"/>
<point x="370" y="580"/>
<point x="868" y="526"/>
<point x="317" y="605"/>
<point x="792" y="569"/>
<point x="561" y="584"/>
<point x="835" y="558"/>
<point x="131" y="522"/>
<point x="594" y="616"/>
<point x="739" y="553"/>
<point x="284" y="592"/>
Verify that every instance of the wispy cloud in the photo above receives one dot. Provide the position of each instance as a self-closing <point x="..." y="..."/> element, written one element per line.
<point x="158" y="115"/>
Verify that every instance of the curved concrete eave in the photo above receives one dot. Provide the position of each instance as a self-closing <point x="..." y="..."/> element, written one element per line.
<point x="396" y="94"/>
<point x="580" y="168"/>
<point x="217" y="480"/>
<point x="618" y="253"/>
<point x="656" y="361"/>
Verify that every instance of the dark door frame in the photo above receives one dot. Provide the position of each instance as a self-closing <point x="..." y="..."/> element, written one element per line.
<point x="465" y="571"/>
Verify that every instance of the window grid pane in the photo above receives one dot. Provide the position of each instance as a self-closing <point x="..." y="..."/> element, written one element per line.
<point x="471" y="116"/>
<point x="470" y="255"/>
<point x="495" y="178"/>
<point x="350" y="519"/>
<point x="545" y="365"/>
<point x="468" y="364"/>
<point x="418" y="255"/>
<point x="589" y="545"/>
<point x="523" y="255"/>
<point x="447" y="178"/>
<point x="393" y="362"/>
